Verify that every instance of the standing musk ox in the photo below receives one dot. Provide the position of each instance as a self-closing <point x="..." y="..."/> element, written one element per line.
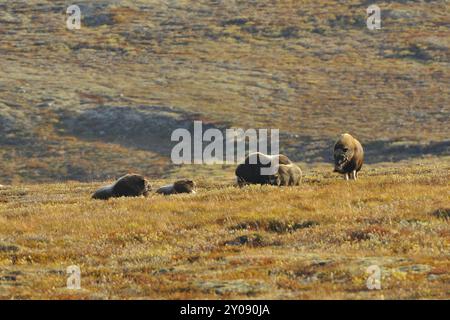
<point x="249" y="172"/>
<point x="348" y="156"/>
<point x="180" y="186"/>
<point x="130" y="185"/>
<point x="287" y="175"/>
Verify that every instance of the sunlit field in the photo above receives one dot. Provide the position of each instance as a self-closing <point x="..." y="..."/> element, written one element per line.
<point x="314" y="241"/>
<point x="81" y="108"/>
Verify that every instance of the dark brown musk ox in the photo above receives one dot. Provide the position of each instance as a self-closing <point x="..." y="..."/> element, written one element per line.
<point x="180" y="186"/>
<point x="249" y="172"/>
<point x="348" y="156"/>
<point x="287" y="175"/>
<point x="130" y="185"/>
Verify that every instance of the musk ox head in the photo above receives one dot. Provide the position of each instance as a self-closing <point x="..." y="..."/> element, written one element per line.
<point x="179" y="186"/>
<point x="130" y="185"/>
<point x="348" y="154"/>
<point x="343" y="152"/>
<point x="240" y="180"/>
<point x="184" y="186"/>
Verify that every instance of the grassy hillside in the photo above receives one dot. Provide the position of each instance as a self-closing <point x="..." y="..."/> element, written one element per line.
<point x="312" y="241"/>
<point x="81" y="107"/>
<point x="75" y="104"/>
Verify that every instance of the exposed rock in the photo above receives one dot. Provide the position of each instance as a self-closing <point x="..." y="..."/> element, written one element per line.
<point x="231" y="286"/>
<point x="254" y="240"/>
<point x="400" y="14"/>
<point x="418" y="268"/>
<point x="309" y="279"/>
<point x="273" y="225"/>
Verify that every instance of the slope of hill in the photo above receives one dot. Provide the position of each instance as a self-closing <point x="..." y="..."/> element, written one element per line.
<point x="75" y="104"/>
<point x="92" y="104"/>
<point x="309" y="242"/>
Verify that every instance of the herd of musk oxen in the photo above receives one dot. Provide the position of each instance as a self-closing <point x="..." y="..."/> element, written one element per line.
<point x="348" y="160"/>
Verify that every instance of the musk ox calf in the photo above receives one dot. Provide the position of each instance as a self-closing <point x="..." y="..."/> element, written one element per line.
<point x="249" y="172"/>
<point x="287" y="175"/>
<point x="180" y="186"/>
<point x="348" y="156"/>
<point x="130" y="185"/>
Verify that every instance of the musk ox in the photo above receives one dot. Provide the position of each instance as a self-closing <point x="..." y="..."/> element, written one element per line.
<point x="249" y="172"/>
<point x="130" y="185"/>
<point x="287" y="175"/>
<point x="180" y="186"/>
<point x="348" y="156"/>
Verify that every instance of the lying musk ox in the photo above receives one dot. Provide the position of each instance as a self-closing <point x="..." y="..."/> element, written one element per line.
<point x="249" y="172"/>
<point x="130" y="185"/>
<point x="287" y="175"/>
<point x="348" y="156"/>
<point x="180" y="186"/>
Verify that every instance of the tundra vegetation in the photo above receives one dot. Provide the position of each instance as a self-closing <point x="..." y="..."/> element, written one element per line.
<point x="74" y="104"/>
<point x="311" y="241"/>
<point x="96" y="103"/>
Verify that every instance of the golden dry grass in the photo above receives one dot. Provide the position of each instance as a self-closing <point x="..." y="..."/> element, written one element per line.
<point x="310" y="68"/>
<point x="307" y="242"/>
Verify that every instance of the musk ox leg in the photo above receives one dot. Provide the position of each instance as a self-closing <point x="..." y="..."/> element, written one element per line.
<point x="240" y="182"/>
<point x="346" y="176"/>
<point x="278" y="182"/>
<point x="354" y="175"/>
